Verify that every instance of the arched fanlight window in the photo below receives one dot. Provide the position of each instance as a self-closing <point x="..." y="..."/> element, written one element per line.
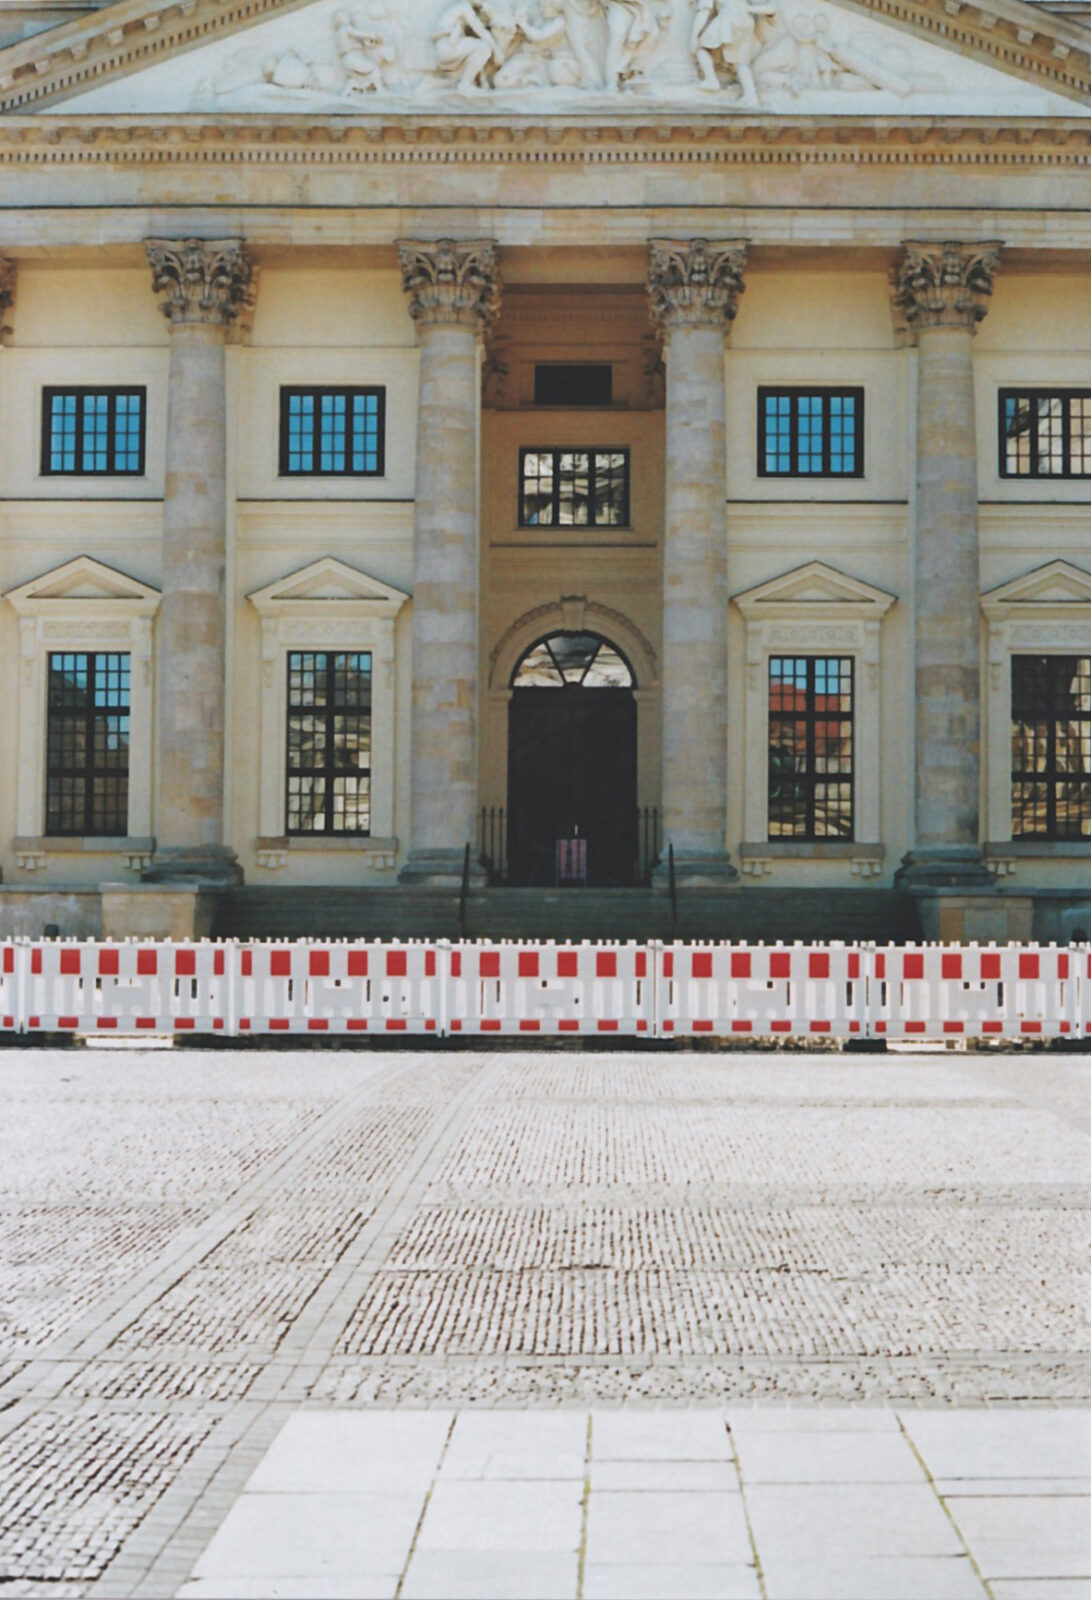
<point x="573" y="660"/>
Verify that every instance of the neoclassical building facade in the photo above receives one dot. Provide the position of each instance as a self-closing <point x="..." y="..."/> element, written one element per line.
<point x="641" y="441"/>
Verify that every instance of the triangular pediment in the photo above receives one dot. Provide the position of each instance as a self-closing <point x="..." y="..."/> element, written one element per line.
<point x="1058" y="583"/>
<point x="85" y="580"/>
<point x="841" y="57"/>
<point x="328" y="582"/>
<point x="815" y="589"/>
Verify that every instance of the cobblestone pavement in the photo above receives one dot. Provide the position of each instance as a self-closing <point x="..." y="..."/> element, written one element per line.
<point x="195" y="1245"/>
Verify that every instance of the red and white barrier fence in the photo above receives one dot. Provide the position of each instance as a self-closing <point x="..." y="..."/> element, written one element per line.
<point x="467" y="989"/>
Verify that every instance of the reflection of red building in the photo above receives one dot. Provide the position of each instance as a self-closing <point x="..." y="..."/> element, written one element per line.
<point x="810" y="749"/>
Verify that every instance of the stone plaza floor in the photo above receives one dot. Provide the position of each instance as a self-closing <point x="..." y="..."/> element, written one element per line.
<point x="531" y="1324"/>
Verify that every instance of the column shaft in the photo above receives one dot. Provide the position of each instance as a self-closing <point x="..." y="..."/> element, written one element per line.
<point x="204" y="284"/>
<point x="942" y="290"/>
<point x="445" y="584"/>
<point x="694" y="287"/>
<point x="454" y="293"/>
<point x="694" y="674"/>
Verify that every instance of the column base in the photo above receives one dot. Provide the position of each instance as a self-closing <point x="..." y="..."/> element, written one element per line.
<point x="198" y="866"/>
<point x="440" y="869"/>
<point x="959" y="869"/>
<point x="695" y="869"/>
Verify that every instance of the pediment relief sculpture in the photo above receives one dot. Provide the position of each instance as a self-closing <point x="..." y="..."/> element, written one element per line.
<point x="510" y="56"/>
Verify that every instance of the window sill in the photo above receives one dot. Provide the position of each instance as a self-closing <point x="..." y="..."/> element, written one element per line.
<point x="866" y="860"/>
<point x="273" y="853"/>
<point x="31" y="854"/>
<point x="1002" y="857"/>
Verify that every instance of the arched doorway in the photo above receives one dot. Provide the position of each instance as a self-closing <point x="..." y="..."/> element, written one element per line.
<point x="572" y="759"/>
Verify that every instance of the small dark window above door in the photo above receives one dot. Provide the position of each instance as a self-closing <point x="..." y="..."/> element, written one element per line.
<point x="573" y="384"/>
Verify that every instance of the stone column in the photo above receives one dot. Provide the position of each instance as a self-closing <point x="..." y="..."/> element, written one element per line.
<point x="941" y="289"/>
<point x="694" y="286"/>
<point x="454" y="293"/>
<point x="204" y="284"/>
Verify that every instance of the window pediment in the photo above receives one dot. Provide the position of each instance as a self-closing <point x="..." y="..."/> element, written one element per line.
<point x="329" y="587"/>
<point x="84" y="587"/>
<point x="814" y="592"/>
<point x="1052" y="589"/>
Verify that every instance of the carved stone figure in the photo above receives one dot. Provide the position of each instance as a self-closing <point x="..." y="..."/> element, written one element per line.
<point x="364" y="50"/>
<point x="538" y="57"/>
<point x="631" y="27"/>
<point x="805" y="54"/>
<point x="725" y="33"/>
<point x="472" y="42"/>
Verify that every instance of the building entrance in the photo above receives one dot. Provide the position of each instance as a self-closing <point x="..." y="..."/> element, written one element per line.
<point x="572" y="814"/>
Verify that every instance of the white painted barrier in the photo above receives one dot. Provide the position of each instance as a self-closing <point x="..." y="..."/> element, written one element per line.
<point x="974" y="991"/>
<point x="126" y="988"/>
<point x="339" y="988"/>
<point x="466" y="989"/>
<point x="550" y="988"/>
<point x="790" y="991"/>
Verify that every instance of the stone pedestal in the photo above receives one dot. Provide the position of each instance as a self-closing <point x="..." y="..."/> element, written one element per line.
<point x="694" y="287"/>
<point x="453" y="290"/>
<point x="204" y="284"/>
<point x="154" y="911"/>
<point x="941" y="289"/>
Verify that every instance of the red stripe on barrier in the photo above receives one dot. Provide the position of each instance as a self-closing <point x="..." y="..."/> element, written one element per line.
<point x="701" y="1024"/>
<point x="9" y="959"/>
<point x="668" y="964"/>
<point x="217" y="1023"/>
<point x="356" y="1024"/>
<point x="641" y="966"/>
<point x="667" y="1025"/>
<point x="147" y="963"/>
<point x="1030" y="1027"/>
<point x="1028" y="966"/>
<point x="951" y="965"/>
<point x="490" y="1024"/>
<point x="146" y="1022"/>
<point x="641" y="1025"/>
<point x="108" y="966"/>
<point x="740" y="963"/>
<point x="528" y="963"/>
<point x="185" y="963"/>
<point x="429" y="1024"/>
<point x="280" y="963"/>
<point x="568" y="1025"/>
<point x="105" y="1022"/>
<point x="318" y="1025"/>
<point x="607" y="1027"/>
<point x="280" y="1024"/>
<point x="185" y="1024"/>
<point x="954" y="1027"/>
<point x="244" y="1024"/>
<point x="456" y="963"/>
<point x="818" y="966"/>
<point x="701" y="964"/>
<point x="488" y="964"/>
<point x="915" y="1027"/>
<point x="912" y="965"/>
<point x="68" y="1022"/>
<point x="605" y="964"/>
<point x="319" y="963"/>
<point x="780" y="964"/>
<point x="35" y="961"/>
<point x="992" y="1027"/>
<point x="456" y="1025"/>
<point x="246" y="964"/>
<point x="218" y="963"/>
<point x="780" y="1027"/>
<point x="396" y="1025"/>
<point x="429" y="963"/>
<point x="742" y="1027"/>
<point x="880" y="1026"/>
<point x="990" y="965"/>
<point x="854" y="1027"/>
<point x="9" y="1022"/>
<point x="70" y="963"/>
<point x="568" y="964"/>
<point x="529" y="1025"/>
<point x="854" y="966"/>
<point x="36" y="1022"/>
<point x="821" y="1027"/>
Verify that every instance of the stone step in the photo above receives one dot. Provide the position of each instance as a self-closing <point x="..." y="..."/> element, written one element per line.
<point x="743" y="915"/>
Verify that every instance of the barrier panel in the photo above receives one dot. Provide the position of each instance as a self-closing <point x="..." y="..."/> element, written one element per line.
<point x="12" y="962"/>
<point x="339" y="988"/>
<point x="126" y="988"/>
<point x="990" y="991"/>
<point x="551" y="988"/>
<point x="787" y="991"/>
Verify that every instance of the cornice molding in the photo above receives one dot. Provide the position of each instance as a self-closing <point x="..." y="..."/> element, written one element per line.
<point x="132" y="34"/>
<point x="336" y="141"/>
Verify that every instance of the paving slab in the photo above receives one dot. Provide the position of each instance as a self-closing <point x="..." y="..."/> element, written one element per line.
<point x="677" y="1581"/>
<point x="491" y="1575"/>
<point x="309" y="1535"/>
<point x="656" y="1528"/>
<point x="816" y="1522"/>
<point x="850" y="1578"/>
<point x="1034" y="1536"/>
<point x="659" y="1436"/>
<point x="814" y="1457"/>
<point x="345" y="1452"/>
<point x="501" y="1444"/>
<point x="503" y="1516"/>
<point x="1004" y="1444"/>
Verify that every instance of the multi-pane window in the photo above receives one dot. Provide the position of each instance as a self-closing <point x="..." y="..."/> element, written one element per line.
<point x="332" y="432"/>
<point x="810" y="433"/>
<point x="87" y="744"/>
<point x="574" y="488"/>
<point x="88" y="431"/>
<point x="329" y="741"/>
<point x="1051" y="747"/>
<point x="810" y="747"/>
<point x="1045" y="433"/>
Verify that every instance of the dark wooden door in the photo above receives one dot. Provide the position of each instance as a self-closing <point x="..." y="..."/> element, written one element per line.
<point x="572" y="769"/>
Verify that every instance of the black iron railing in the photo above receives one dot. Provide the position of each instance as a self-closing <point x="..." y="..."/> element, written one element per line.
<point x="493" y="841"/>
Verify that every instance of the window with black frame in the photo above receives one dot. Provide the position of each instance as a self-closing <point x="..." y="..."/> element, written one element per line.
<point x="93" y="432"/>
<point x="573" y="488"/>
<point x="810" y="433"/>
<point x="87" y="743"/>
<point x="329" y="742"/>
<point x="811" y="752"/>
<point x="1051" y="747"/>
<point x="1045" y="433"/>
<point x="332" y="432"/>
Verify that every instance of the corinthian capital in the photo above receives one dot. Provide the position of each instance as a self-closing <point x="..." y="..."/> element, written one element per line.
<point x="695" y="282"/>
<point x="451" y="280"/>
<point x="944" y="285"/>
<point x="200" y="280"/>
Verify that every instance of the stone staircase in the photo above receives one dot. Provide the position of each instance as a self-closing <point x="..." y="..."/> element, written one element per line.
<point x="743" y="915"/>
